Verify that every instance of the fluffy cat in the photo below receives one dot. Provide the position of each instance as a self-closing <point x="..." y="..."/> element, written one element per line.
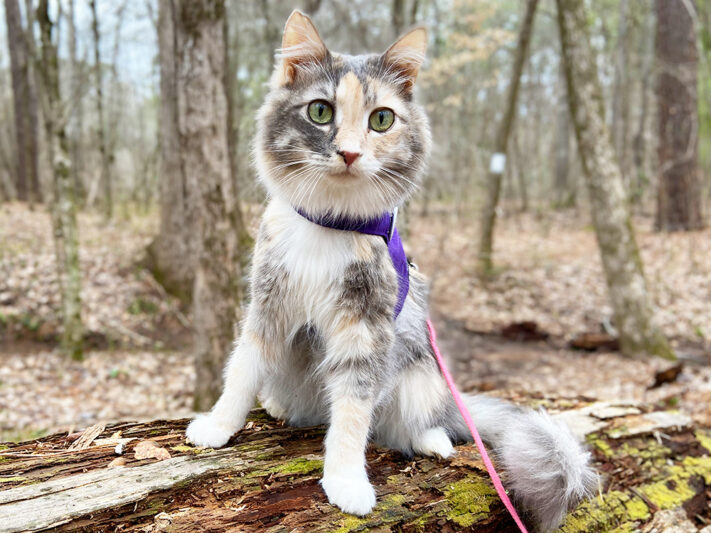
<point x="341" y="136"/>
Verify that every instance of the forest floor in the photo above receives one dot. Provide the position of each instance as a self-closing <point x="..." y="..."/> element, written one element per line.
<point x="508" y="334"/>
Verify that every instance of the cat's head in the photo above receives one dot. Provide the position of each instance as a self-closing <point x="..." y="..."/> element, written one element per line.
<point x="341" y="134"/>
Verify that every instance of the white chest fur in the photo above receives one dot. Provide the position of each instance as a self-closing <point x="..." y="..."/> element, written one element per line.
<point x="315" y="257"/>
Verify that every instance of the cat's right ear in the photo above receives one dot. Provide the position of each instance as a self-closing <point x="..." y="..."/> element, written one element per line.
<point x="300" y="46"/>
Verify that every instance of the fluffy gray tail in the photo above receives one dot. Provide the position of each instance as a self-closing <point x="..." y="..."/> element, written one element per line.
<point x="544" y="465"/>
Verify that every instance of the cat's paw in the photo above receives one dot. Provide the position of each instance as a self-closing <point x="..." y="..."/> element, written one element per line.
<point x="353" y="495"/>
<point x="434" y="442"/>
<point x="206" y="432"/>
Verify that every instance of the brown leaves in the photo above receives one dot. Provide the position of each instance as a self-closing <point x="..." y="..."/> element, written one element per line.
<point x="148" y="449"/>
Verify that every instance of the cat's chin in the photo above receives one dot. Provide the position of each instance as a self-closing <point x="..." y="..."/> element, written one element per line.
<point x="345" y="176"/>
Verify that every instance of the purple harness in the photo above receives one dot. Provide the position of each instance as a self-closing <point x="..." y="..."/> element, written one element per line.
<point x="383" y="226"/>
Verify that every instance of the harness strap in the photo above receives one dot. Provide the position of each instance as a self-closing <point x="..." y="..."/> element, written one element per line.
<point x="383" y="226"/>
<point x="472" y="428"/>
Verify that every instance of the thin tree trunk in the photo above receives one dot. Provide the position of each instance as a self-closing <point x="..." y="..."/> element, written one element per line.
<point x="64" y="220"/>
<point x="18" y="68"/>
<point x="213" y="211"/>
<point x="397" y="16"/>
<point x="101" y="129"/>
<point x="496" y="169"/>
<point x="565" y="195"/>
<point x="639" y="144"/>
<point x="620" y="96"/>
<point x="171" y="255"/>
<point x="33" y="110"/>
<point x="633" y="311"/>
<point x="679" y="193"/>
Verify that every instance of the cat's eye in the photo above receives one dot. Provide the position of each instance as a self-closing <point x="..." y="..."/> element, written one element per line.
<point x="381" y="119"/>
<point x="320" y="111"/>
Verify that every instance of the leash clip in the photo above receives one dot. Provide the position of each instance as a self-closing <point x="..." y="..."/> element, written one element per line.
<point x="391" y="229"/>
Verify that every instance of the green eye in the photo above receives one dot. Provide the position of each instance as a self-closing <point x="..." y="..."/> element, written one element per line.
<point x="320" y="112"/>
<point x="381" y="119"/>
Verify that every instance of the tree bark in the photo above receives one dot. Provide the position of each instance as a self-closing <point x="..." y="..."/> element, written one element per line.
<point x="213" y="213"/>
<point x="679" y="194"/>
<point x="19" y="62"/>
<point x="266" y="480"/>
<point x="100" y="117"/>
<point x="64" y="221"/>
<point x="639" y="143"/>
<point x="565" y="191"/>
<point x="620" y="96"/>
<point x="77" y="119"/>
<point x="171" y="256"/>
<point x="627" y="287"/>
<point x="488" y="219"/>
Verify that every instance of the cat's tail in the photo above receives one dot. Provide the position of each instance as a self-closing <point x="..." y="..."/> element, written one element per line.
<point x="544" y="465"/>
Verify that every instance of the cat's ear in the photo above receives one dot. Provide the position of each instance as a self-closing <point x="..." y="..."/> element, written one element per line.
<point x="405" y="57"/>
<point x="300" y="45"/>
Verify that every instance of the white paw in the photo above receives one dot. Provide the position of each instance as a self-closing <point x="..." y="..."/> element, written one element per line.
<point x="353" y="495"/>
<point x="433" y="442"/>
<point x="206" y="432"/>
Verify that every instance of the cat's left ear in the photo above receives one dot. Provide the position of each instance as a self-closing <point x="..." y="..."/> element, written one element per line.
<point x="406" y="55"/>
<point x="300" y="45"/>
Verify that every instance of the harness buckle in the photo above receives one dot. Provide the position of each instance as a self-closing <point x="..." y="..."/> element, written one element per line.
<point x="391" y="229"/>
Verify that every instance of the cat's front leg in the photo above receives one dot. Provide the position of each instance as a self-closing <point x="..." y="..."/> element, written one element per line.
<point x="243" y="378"/>
<point x="355" y="361"/>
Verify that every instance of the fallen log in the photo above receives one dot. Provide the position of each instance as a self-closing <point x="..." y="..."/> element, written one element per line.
<point x="145" y="477"/>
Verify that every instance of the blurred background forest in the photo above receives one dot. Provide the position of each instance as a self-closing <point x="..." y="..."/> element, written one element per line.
<point x="120" y="120"/>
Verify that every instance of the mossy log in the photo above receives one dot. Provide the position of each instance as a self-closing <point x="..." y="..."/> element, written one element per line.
<point x="109" y="478"/>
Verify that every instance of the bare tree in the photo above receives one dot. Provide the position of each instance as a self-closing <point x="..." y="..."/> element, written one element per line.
<point x="26" y="149"/>
<point x="201" y="214"/>
<point x="170" y="256"/>
<point x="496" y="169"/>
<point x="101" y="119"/>
<point x="627" y="287"/>
<point x="64" y="222"/>
<point x="679" y="193"/>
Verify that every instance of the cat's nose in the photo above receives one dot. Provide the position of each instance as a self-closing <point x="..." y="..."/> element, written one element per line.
<point x="349" y="157"/>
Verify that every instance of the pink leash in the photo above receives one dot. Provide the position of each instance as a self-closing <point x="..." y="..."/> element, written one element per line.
<point x="472" y="428"/>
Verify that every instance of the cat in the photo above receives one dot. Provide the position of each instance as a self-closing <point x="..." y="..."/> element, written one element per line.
<point x="341" y="136"/>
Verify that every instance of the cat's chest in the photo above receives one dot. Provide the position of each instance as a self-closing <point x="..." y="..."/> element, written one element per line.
<point x="314" y="258"/>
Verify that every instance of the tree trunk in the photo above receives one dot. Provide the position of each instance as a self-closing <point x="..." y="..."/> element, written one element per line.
<point x="620" y="96"/>
<point x="18" y="67"/>
<point x="266" y="480"/>
<point x="633" y="312"/>
<point x="213" y="212"/>
<point x="679" y="193"/>
<point x="33" y="111"/>
<point x="64" y="222"/>
<point x="77" y="119"/>
<point x="564" y="190"/>
<point x="171" y="255"/>
<point x="639" y="143"/>
<point x="101" y="130"/>
<point x="498" y="160"/>
<point x="397" y="17"/>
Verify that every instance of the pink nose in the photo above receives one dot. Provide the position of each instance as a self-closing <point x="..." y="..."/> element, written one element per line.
<point x="349" y="157"/>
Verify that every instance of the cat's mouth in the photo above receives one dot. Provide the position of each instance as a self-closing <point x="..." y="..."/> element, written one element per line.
<point x="346" y="174"/>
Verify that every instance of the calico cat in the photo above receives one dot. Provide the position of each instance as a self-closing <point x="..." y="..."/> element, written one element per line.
<point x="340" y="136"/>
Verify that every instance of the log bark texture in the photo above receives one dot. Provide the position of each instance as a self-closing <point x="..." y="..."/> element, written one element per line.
<point x="266" y="479"/>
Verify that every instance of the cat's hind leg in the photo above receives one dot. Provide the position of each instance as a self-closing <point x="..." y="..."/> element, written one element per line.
<point x="433" y="442"/>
